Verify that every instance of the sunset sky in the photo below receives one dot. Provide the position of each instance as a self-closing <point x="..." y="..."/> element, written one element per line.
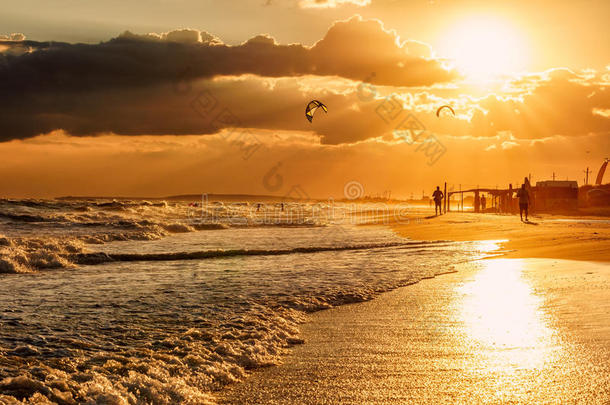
<point x="158" y="97"/>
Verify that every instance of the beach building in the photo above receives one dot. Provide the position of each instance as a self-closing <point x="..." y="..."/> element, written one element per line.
<point x="556" y="195"/>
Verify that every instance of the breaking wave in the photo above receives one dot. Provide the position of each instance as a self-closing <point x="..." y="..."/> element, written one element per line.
<point x="100" y="257"/>
<point x="27" y="255"/>
<point x="157" y="309"/>
<point x="21" y="255"/>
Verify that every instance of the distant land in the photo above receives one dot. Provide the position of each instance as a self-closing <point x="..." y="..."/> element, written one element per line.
<point x="189" y="197"/>
<point x="242" y="197"/>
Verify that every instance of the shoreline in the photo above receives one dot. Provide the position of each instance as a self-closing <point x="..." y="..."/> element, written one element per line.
<point x="575" y="237"/>
<point x="496" y="330"/>
<point x="571" y="238"/>
<point x="565" y="265"/>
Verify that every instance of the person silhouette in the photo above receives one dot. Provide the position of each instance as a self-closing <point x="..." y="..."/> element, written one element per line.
<point x="524" y="200"/>
<point x="438" y="198"/>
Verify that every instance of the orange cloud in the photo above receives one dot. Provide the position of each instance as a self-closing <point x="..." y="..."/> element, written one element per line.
<point x="332" y="3"/>
<point x="561" y="103"/>
<point x="16" y="36"/>
<point x="58" y="164"/>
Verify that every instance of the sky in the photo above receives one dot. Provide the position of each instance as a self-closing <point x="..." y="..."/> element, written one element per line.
<point x="154" y="98"/>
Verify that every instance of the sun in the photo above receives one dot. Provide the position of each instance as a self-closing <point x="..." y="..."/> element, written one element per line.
<point x="483" y="47"/>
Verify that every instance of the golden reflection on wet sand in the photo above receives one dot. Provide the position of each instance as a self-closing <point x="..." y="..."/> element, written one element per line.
<point x="517" y="331"/>
<point x="503" y="318"/>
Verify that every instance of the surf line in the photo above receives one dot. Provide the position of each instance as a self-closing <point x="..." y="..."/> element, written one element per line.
<point x="101" y="257"/>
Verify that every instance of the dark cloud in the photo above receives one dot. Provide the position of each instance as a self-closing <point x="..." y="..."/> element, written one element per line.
<point x="163" y="84"/>
<point x="204" y="107"/>
<point x="351" y="49"/>
<point x="46" y="85"/>
<point x="209" y="106"/>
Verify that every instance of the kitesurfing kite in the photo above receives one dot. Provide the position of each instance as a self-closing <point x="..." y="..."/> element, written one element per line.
<point x="438" y="112"/>
<point x="312" y="107"/>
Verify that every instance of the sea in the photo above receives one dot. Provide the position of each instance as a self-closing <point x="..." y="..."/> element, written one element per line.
<point x="131" y="301"/>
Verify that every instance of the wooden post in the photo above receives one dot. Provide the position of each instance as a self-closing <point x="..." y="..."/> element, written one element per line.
<point x="445" y="198"/>
<point x="477" y="201"/>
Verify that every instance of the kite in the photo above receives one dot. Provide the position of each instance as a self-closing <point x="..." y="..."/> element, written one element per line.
<point x="312" y="107"/>
<point x="438" y="112"/>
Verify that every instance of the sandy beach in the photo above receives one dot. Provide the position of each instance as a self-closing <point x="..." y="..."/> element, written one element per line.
<point x="545" y="236"/>
<point x="531" y="326"/>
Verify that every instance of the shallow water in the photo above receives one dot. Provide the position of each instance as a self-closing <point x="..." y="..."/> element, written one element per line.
<point x="500" y="331"/>
<point x="174" y="318"/>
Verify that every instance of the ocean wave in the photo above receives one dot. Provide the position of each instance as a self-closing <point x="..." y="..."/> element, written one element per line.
<point x="46" y="204"/>
<point x="200" y="347"/>
<point x="185" y="367"/>
<point x="139" y="329"/>
<point x="24" y="217"/>
<point x="25" y="255"/>
<point x="100" y="221"/>
<point x="101" y="257"/>
<point x="30" y="254"/>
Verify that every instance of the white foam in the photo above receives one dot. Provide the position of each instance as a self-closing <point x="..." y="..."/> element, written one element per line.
<point x="173" y="332"/>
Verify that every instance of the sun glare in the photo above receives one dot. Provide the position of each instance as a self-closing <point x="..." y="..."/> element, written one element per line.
<point x="483" y="48"/>
<point x="501" y="311"/>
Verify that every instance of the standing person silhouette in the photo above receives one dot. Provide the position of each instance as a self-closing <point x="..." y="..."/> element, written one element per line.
<point x="438" y="198"/>
<point x="524" y="200"/>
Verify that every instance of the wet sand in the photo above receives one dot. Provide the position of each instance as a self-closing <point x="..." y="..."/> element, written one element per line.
<point x="499" y="330"/>
<point x="530" y="327"/>
<point x="547" y="236"/>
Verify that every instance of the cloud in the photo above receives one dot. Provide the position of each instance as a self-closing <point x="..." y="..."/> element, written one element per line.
<point x="159" y="84"/>
<point x="357" y="112"/>
<point x="358" y="48"/>
<point x="350" y="49"/>
<point x="185" y="36"/>
<point x="560" y="102"/>
<point x="16" y="37"/>
<point x="13" y="44"/>
<point x="76" y="87"/>
<point x="58" y="164"/>
<point x="201" y="107"/>
<point x="332" y="3"/>
<point x="602" y="112"/>
<point x="509" y="145"/>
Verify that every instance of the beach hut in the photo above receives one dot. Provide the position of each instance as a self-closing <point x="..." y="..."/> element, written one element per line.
<point x="554" y="195"/>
